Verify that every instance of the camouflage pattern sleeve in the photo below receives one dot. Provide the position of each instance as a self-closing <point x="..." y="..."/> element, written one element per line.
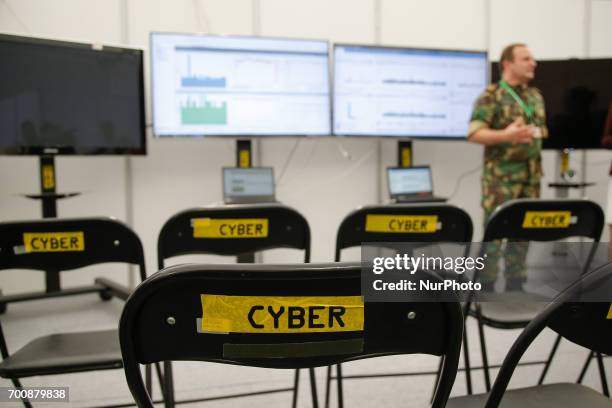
<point x="537" y="101"/>
<point x="483" y="112"/>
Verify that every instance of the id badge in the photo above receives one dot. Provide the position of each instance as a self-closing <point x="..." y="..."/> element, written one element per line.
<point x="537" y="133"/>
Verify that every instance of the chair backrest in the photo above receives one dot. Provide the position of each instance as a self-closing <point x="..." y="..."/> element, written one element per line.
<point x="587" y="323"/>
<point x="65" y="244"/>
<point x="404" y="223"/>
<point x="278" y="316"/>
<point x="545" y="220"/>
<point x="233" y="230"/>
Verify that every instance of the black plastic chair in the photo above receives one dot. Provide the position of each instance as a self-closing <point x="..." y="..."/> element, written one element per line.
<point x="506" y="222"/>
<point x="159" y="321"/>
<point x="67" y="244"/>
<point x="185" y="234"/>
<point x="587" y="323"/>
<point x="451" y="225"/>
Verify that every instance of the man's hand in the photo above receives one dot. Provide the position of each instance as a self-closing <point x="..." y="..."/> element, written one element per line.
<point x="518" y="132"/>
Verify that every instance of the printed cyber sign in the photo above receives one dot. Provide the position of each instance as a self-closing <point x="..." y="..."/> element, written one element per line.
<point x="401" y="223"/>
<point x="54" y="241"/>
<point x="281" y="314"/>
<point x="230" y="228"/>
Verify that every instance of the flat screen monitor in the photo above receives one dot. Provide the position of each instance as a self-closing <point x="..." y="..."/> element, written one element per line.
<point x="383" y="91"/>
<point x="61" y="97"/>
<point x="578" y="98"/>
<point x="239" y="86"/>
<point x="248" y="185"/>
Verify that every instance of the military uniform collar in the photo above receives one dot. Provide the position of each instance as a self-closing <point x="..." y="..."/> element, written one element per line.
<point x="519" y="88"/>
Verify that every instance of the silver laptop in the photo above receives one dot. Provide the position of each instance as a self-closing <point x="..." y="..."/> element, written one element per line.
<point x="411" y="184"/>
<point x="248" y="185"/>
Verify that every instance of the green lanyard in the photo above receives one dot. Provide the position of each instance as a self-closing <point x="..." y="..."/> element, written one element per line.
<point x="528" y="109"/>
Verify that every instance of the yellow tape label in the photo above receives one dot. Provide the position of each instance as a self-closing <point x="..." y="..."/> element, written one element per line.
<point x="230" y="227"/>
<point x="54" y="241"/>
<point x="281" y="314"/>
<point x="564" y="163"/>
<point x="48" y="178"/>
<point x="401" y="223"/>
<point x="547" y="219"/>
<point x="406" y="157"/>
<point x="244" y="159"/>
<point x="610" y="312"/>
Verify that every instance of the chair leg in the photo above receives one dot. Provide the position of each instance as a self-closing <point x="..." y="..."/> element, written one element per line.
<point x="585" y="367"/>
<point x="483" y="352"/>
<point x="313" y="388"/>
<point x="468" y="367"/>
<point x="602" y="376"/>
<point x="160" y="379"/>
<point x="149" y="380"/>
<point x="327" y="386"/>
<point x="296" y="384"/>
<point x="549" y="360"/>
<point x="339" y="383"/>
<point x="437" y="380"/>
<point x="168" y="385"/>
<point x="17" y="384"/>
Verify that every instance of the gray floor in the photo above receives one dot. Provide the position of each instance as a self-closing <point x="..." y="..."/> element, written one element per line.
<point x="193" y="380"/>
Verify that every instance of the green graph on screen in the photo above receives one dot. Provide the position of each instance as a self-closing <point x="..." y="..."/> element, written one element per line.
<point x="206" y="113"/>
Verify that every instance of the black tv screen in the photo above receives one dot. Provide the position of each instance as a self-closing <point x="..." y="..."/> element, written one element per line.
<point x="69" y="98"/>
<point x="578" y="97"/>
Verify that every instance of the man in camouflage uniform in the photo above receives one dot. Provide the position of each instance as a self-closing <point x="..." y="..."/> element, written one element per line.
<point x="509" y="120"/>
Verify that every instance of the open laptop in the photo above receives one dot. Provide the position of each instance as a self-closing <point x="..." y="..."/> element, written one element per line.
<point x="411" y="184"/>
<point x="248" y="185"/>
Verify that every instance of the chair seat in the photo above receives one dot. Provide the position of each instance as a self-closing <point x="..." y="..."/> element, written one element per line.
<point x="511" y="309"/>
<point x="64" y="353"/>
<point x="515" y="314"/>
<point x="543" y="396"/>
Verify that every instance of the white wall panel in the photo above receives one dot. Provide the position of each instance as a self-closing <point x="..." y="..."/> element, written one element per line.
<point x="188" y="16"/>
<point x="87" y="21"/>
<point x="434" y="23"/>
<point x="338" y="20"/>
<point x="601" y="29"/>
<point x="552" y="28"/>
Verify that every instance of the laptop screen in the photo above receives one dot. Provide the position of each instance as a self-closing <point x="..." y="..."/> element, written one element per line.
<point x="409" y="181"/>
<point x="243" y="185"/>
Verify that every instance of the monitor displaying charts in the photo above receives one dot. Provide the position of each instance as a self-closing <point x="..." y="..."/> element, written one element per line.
<point x="223" y="86"/>
<point x="404" y="92"/>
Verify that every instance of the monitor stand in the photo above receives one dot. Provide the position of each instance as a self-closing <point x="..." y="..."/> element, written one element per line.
<point x="562" y="185"/>
<point x="48" y="195"/>
<point x="244" y="154"/>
